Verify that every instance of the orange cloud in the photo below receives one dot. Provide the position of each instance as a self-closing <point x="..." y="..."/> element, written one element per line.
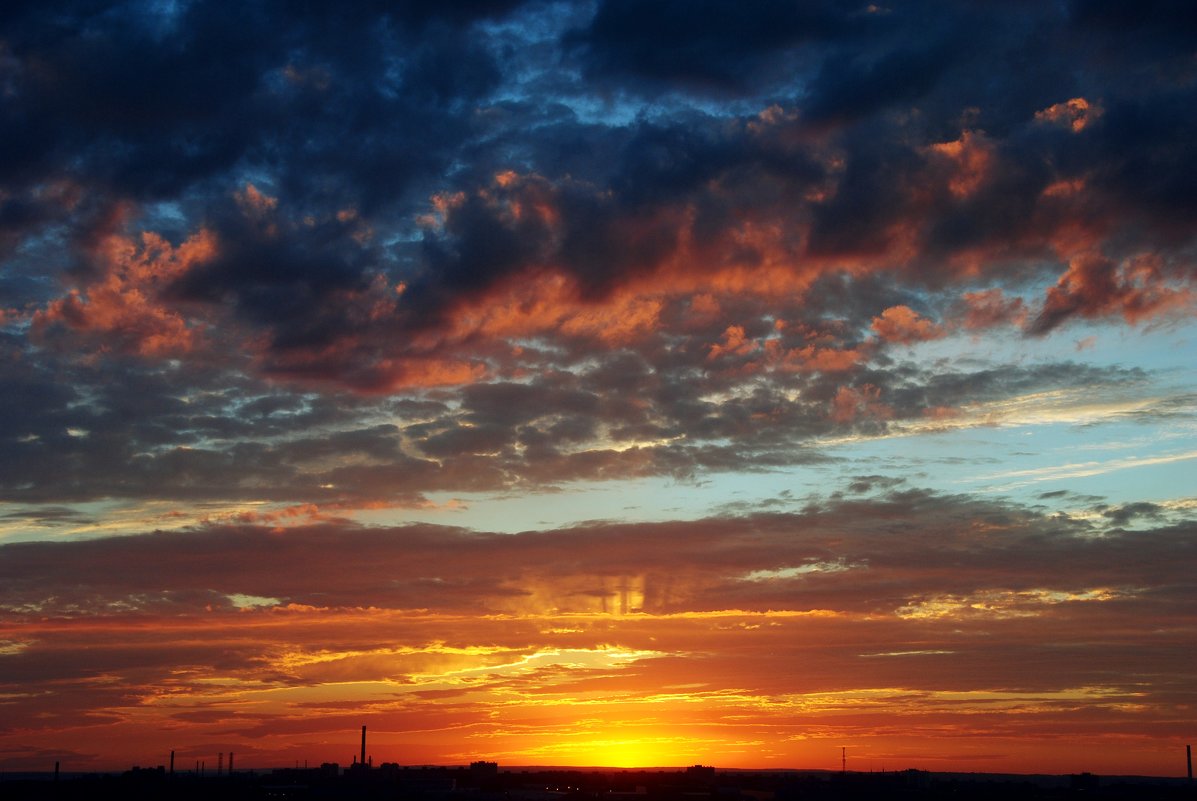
<point x="123" y="306"/>
<point x="970" y="158"/>
<point x="1095" y="286"/>
<point x="547" y="302"/>
<point x="734" y="344"/>
<point x="1075" y="114"/>
<point x="813" y="358"/>
<point x="434" y="372"/>
<point x="851" y="404"/>
<point x="903" y="325"/>
<point x="254" y="202"/>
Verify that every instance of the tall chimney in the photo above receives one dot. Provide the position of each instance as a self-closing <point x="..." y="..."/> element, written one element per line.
<point x="220" y="763"/>
<point x="363" y="759"/>
<point x="230" y="763"/>
<point x="1189" y="759"/>
<point x="56" y="771"/>
<point x="172" y="763"/>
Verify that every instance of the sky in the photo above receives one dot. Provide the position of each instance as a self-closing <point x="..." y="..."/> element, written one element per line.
<point x="599" y="383"/>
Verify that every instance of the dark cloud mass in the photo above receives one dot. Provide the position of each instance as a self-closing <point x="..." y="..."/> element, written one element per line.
<point x="506" y="197"/>
<point x="715" y="46"/>
<point x="729" y="561"/>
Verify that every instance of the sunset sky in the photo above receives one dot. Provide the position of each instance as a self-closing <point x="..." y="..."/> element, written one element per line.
<point x="599" y="383"/>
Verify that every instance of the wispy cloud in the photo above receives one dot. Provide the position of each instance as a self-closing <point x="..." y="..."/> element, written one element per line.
<point x="1017" y="478"/>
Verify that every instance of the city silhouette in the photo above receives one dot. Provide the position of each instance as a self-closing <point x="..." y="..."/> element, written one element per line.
<point x="483" y="780"/>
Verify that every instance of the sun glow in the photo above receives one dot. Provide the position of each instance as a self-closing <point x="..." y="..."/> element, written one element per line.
<point x="628" y="753"/>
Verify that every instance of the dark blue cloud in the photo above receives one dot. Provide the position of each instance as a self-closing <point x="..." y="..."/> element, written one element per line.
<point x="710" y="46"/>
<point x="661" y="139"/>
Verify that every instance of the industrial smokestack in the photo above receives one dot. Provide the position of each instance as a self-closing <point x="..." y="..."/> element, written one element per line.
<point x="56" y="771"/>
<point x="1189" y="759"/>
<point x="363" y="759"/>
<point x="172" y="763"/>
<point x="220" y="763"/>
<point x="230" y="763"/>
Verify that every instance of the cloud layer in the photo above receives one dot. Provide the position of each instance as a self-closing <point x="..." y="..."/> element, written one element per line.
<point x="950" y="614"/>
<point x="378" y="204"/>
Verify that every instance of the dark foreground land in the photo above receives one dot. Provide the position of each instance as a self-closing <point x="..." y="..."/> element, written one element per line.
<point x="395" y="783"/>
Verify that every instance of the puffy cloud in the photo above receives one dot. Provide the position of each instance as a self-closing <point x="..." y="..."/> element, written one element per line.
<point x="971" y="160"/>
<point x="1095" y="286"/>
<point x="761" y="205"/>
<point x="733" y="343"/>
<point x="124" y="307"/>
<point x="903" y="325"/>
<point x="1074" y="114"/>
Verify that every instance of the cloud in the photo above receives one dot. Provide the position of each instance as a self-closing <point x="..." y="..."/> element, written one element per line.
<point x="605" y="616"/>
<point x="206" y="430"/>
<point x="511" y="572"/>
<point x="904" y="326"/>
<point x="1092" y="468"/>
<point x="1094" y="287"/>
<point x="726" y="49"/>
<point x="989" y="308"/>
<point x="851" y="403"/>
<point x="428" y="280"/>
<point x="123" y="308"/>
<point x="1074" y="114"/>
